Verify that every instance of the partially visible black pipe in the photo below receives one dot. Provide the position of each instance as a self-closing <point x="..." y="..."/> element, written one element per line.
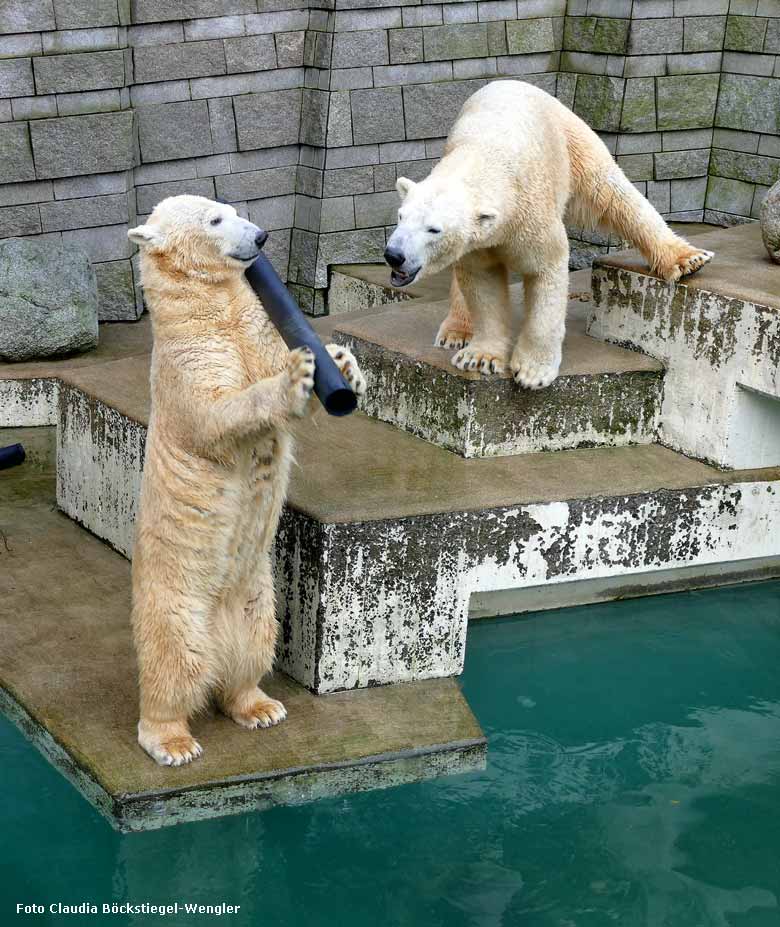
<point x="329" y="385"/>
<point x="11" y="456"/>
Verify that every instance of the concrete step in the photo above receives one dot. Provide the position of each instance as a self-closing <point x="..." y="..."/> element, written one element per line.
<point x="356" y="287"/>
<point x="604" y="395"/>
<point x="29" y="391"/>
<point x="386" y="538"/>
<point x="68" y="679"/>
<point x="718" y="335"/>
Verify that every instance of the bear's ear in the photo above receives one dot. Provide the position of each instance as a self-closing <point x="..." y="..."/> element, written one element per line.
<point x="146" y="236"/>
<point x="404" y="186"/>
<point x="488" y="219"/>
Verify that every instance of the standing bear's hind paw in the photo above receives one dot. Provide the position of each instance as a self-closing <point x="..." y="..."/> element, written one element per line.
<point x="252" y="709"/>
<point x="169" y="744"/>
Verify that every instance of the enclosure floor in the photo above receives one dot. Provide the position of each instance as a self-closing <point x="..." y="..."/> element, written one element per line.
<point x="68" y="677"/>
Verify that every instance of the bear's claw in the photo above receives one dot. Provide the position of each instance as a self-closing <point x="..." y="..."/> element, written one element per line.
<point x="452" y="340"/>
<point x="168" y="746"/>
<point x="479" y="360"/>
<point x="300" y="372"/>
<point x="265" y="712"/>
<point x="348" y="365"/>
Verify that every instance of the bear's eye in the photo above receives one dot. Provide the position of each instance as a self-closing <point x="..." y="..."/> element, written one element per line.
<point x="216" y="220"/>
<point x="432" y="230"/>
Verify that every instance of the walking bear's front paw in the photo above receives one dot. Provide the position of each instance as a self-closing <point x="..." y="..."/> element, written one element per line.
<point x="534" y="367"/>
<point x="480" y="358"/>
<point x="300" y="376"/>
<point x="348" y="365"/>
<point x="452" y="335"/>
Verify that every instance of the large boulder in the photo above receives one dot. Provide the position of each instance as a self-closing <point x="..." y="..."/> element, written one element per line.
<point x="770" y="222"/>
<point x="48" y="300"/>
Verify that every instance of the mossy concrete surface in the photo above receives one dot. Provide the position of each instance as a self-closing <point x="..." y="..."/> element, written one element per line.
<point x="68" y="678"/>
<point x="604" y="396"/>
<point x="718" y="335"/>
<point x="741" y="268"/>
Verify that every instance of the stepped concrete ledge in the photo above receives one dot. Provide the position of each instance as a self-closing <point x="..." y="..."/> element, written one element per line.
<point x="604" y="396"/>
<point x="29" y="390"/>
<point x="355" y="287"/>
<point x="386" y="537"/>
<point x="68" y="679"/>
<point x="718" y="335"/>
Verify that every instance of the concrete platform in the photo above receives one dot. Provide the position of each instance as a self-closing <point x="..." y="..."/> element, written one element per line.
<point x="29" y="391"/>
<point x="718" y="335"/>
<point x="604" y="396"/>
<point x="68" y="679"/>
<point x="386" y="537"/>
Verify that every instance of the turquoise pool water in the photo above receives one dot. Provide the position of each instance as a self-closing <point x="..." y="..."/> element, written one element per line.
<point x="633" y="779"/>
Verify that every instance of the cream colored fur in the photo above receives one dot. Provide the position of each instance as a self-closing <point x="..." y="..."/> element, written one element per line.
<point x="225" y="390"/>
<point x="517" y="164"/>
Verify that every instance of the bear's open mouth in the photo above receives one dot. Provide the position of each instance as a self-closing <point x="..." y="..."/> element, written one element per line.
<point x="400" y="278"/>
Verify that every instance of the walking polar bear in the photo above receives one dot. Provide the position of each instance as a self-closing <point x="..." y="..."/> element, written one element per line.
<point x="225" y="389"/>
<point x="516" y="162"/>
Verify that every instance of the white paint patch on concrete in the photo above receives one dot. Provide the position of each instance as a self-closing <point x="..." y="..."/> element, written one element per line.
<point x="709" y="344"/>
<point x="27" y="403"/>
<point x="755" y="429"/>
<point x="99" y="467"/>
<point x="383" y="625"/>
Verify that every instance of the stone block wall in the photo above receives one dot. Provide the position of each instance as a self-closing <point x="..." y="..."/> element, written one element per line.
<point x="399" y="73"/>
<point x="67" y="134"/>
<point x="672" y="86"/>
<point x="304" y="112"/>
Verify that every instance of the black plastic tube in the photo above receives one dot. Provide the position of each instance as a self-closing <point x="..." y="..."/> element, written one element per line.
<point x="11" y="456"/>
<point x="330" y="386"/>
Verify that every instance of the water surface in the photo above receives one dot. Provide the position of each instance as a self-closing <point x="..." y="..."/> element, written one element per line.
<point x="633" y="779"/>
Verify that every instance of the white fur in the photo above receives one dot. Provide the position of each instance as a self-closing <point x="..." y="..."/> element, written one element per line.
<point x="515" y="162"/>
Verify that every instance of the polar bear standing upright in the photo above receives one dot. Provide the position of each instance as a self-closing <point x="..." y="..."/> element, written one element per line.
<point x="225" y="390"/>
<point x="517" y="162"/>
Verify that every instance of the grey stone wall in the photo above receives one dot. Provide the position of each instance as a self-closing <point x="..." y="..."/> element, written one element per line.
<point x="687" y="96"/>
<point x="304" y="112"/>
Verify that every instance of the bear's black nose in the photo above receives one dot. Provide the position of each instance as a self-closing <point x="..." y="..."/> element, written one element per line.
<point x="394" y="257"/>
<point x="261" y="238"/>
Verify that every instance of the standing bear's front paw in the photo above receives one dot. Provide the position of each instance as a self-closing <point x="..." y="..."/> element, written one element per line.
<point x="348" y="365"/>
<point x="300" y="380"/>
